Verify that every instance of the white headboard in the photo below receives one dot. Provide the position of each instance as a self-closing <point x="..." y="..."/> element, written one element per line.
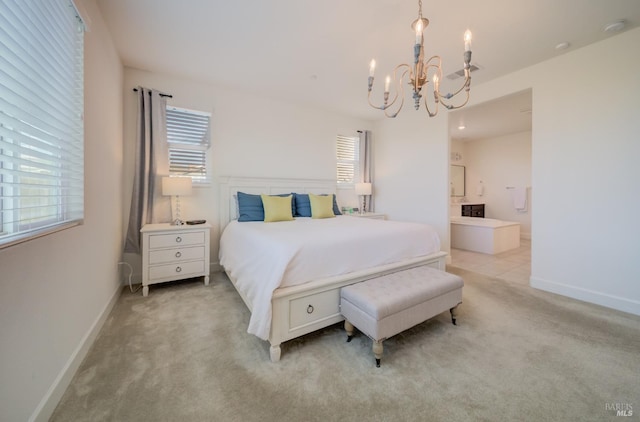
<point x="229" y="186"/>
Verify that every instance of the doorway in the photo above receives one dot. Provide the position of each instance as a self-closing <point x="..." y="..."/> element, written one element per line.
<point x="492" y="142"/>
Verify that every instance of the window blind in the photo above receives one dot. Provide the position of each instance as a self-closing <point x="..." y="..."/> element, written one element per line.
<point x="41" y="127"/>
<point x="348" y="159"/>
<point x="188" y="135"/>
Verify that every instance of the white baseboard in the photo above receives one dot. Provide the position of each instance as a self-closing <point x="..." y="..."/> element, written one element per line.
<point x="586" y="295"/>
<point x="51" y="399"/>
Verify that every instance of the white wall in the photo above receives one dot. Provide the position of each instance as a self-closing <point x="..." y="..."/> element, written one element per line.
<point x="584" y="173"/>
<point x="251" y="136"/>
<point x="412" y="169"/>
<point x="54" y="290"/>
<point x="585" y="177"/>
<point x="498" y="163"/>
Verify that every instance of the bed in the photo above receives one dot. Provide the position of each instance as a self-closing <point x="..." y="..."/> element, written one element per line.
<point x="289" y="274"/>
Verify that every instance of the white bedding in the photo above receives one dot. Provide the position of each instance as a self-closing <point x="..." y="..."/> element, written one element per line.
<point x="262" y="257"/>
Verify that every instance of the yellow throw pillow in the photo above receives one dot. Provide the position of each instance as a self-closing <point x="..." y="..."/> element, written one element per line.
<point x="277" y="208"/>
<point x="321" y="206"/>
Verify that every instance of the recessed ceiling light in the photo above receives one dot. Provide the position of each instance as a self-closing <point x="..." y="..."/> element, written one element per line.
<point x="614" y="26"/>
<point x="462" y="127"/>
<point x="562" y="46"/>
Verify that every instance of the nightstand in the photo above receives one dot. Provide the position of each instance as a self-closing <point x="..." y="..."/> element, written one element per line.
<point x="374" y="215"/>
<point x="174" y="253"/>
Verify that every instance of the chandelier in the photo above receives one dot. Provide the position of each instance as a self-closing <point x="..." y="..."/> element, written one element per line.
<point x="418" y="75"/>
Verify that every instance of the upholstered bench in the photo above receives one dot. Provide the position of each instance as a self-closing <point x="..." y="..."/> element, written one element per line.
<point x="385" y="306"/>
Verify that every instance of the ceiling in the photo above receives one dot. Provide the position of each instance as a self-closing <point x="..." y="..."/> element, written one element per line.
<point x="506" y="115"/>
<point x="318" y="52"/>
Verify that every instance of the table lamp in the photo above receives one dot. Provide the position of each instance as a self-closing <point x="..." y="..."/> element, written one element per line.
<point x="363" y="189"/>
<point x="176" y="186"/>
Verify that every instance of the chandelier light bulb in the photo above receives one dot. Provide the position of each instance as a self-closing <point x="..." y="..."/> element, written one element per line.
<point x="372" y="67"/>
<point x="467" y="40"/>
<point x="419" y="31"/>
<point x="387" y="82"/>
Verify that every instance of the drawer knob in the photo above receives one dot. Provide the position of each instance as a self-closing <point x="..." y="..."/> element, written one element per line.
<point x="310" y="309"/>
<point x="178" y="239"/>
<point x="178" y="254"/>
<point x="178" y="269"/>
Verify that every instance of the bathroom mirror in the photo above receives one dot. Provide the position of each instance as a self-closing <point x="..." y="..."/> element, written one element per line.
<point x="457" y="180"/>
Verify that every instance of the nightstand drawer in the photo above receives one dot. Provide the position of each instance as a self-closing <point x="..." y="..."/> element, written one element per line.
<point x="181" y="270"/>
<point x="162" y="256"/>
<point x="178" y="239"/>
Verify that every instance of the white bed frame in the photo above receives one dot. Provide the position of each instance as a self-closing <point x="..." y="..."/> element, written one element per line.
<point x="301" y="309"/>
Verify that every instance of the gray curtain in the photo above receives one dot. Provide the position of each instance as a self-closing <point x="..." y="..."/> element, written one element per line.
<point x="367" y="165"/>
<point x="151" y="164"/>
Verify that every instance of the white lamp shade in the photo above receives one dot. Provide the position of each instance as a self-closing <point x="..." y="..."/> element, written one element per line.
<point x="176" y="186"/>
<point x="363" y="188"/>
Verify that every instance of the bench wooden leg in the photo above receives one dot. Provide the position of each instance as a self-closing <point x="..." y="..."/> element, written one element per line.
<point x="377" y="351"/>
<point x="454" y="314"/>
<point x="348" y="327"/>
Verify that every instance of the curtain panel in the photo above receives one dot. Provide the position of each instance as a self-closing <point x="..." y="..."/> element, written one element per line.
<point x="367" y="165"/>
<point x="151" y="164"/>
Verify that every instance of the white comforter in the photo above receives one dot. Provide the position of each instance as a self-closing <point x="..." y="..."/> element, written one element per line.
<point x="262" y="257"/>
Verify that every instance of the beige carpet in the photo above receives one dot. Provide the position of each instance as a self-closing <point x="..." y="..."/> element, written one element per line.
<point x="183" y="354"/>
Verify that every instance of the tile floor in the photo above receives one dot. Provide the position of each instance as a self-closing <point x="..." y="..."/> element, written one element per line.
<point x="514" y="265"/>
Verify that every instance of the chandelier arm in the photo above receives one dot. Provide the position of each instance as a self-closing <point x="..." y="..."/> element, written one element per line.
<point x="436" y="58"/>
<point x="373" y="105"/>
<point x="426" y="107"/>
<point x="383" y="106"/>
<point x="398" y="82"/>
<point x="467" y="83"/>
<point x="388" y="104"/>
<point x="465" y="86"/>
<point x="452" y="107"/>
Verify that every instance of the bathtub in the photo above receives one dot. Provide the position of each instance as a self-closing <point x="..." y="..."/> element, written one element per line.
<point x="485" y="235"/>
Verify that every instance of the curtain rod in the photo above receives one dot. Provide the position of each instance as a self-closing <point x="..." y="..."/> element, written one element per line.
<point x="161" y="94"/>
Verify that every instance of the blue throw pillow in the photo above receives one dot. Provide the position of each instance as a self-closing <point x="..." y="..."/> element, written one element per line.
<point x="303" y="205"/>
<point x="250" y="206"/>
<point x="336" y="210"/>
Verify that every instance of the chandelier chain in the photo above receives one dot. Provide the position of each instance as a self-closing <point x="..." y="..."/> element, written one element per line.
<point x="419" y="9"/>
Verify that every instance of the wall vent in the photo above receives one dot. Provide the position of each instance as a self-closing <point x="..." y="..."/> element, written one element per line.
<point x="460" y="73"/>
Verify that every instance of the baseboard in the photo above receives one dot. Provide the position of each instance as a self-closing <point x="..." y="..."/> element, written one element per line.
<point x="51" y="399"/>
<point x="526" y="236"/>
<point x="586" y="295"/>
<point x="215" y="267"/>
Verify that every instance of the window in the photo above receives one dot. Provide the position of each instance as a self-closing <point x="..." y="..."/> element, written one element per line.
<point x="188" y="134"/>
<point x="41" y="128"/>
<point x="348" y="160"/>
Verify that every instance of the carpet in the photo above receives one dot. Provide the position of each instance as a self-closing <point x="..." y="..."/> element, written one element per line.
<point x="183" y="354"/>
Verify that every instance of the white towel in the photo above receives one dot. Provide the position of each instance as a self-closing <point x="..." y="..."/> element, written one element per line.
<point x="520" y="199"/>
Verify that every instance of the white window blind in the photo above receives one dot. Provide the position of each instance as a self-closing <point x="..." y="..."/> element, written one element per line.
<point x="41" y="128"/>
<point x="188" y="135"/>
<point x="348" y="159"/>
